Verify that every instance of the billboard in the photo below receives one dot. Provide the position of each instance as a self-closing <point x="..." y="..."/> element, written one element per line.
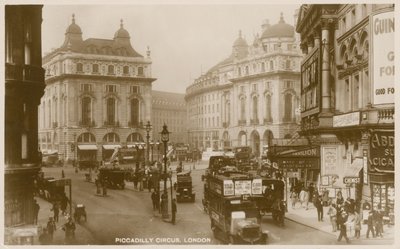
<point x="382" y="57"/>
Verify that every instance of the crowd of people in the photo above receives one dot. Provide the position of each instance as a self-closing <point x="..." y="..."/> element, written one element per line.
<point x="345" y="216"/>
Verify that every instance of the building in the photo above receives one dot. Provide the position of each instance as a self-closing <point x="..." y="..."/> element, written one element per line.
<point x="24" y="85"/>
<point x="251" y="98"/>
<point x="97" y="96"/>
<point x="347" y="97"/>
<point x="169" y="108"/>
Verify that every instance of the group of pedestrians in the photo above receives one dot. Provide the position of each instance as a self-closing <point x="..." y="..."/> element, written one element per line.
<point x="159" y="202"/>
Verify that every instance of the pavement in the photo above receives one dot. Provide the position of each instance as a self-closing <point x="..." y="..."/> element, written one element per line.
<point x="309" y="218"/>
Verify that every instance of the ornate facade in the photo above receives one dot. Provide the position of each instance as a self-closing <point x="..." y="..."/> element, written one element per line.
<point x="97" y="96"/>
<point x="348" y="97"/>
<point x="24" y="85"/>
<point x="252" y="97"/>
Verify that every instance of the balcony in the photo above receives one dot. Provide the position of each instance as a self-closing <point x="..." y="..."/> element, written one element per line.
<point x="87" y="123"/>
<point x="386" y="114"/>
<point x="225" y="124"/>
<point x="135" y="124"/>
<point x="112" y="123"/>
<point x="242" y="122"/>
<point x="254" y="121"/>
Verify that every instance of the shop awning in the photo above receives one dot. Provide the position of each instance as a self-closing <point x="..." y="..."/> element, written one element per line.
<point x="87" y="147"/>
<point x="111" y="146"/>
<point x="51" y="152"/>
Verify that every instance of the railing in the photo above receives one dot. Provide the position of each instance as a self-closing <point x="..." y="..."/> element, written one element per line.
<point x="385" y="113"/>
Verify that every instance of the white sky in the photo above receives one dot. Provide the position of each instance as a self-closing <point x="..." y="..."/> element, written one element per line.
<point x="184" y="40"/>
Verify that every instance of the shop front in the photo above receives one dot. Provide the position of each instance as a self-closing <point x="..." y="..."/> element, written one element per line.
<point x="301" y="167"/>
<point x="381" y="170"/>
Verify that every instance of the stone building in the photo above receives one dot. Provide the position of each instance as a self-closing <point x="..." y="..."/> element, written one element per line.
<point x="347" y="96"/>
<point x="24" y="86"/>
<point x="97" y="96"/>
<point x="252" y="97"/>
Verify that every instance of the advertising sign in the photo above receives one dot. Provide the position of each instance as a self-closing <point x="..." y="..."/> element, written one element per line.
<point x="329" y="160"/>
<point x="256" y="188"/>
<point x="349" y="119"/>
<point x="228" y="187"/>
<point x="243" y="187"/>
<point x="382" y="151"/>
<point x="382" y="57"/>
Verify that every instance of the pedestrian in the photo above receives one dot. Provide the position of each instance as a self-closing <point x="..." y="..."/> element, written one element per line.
<point x="320" y="208"/>
<point x="174" y="210"/>
<point x="339" y="199"/>
<point x="306" y="198"/>
<point x="69" y="229"/>
<point x="370" y="225"/>
<point x="62" y="174"/>
<point x="332" y="212"/>
<point x="158" y="201"/>
<point x="64" y="204"/>
<point x="302" y="196"/>
<point x="379" y="221"/>
<point x="357" y="224"/>
<point x="311" y="190"/>
<point x="44" y="238"/>
<point x="56" y="210"/>
<point x="154" y="200"/>
<point x="293" y="198"/>
<point x="51" y="228"/>
<point x="36" y="208"/>
<point x="104" y="185"/>
<point x="343" y="228"/>
<point x="134" y="179"/>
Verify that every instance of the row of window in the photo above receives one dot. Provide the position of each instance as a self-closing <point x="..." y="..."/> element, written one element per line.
<point x="86" y="87"/>
<point x="110" y="69"/>
<point x="350" y="18"/>
<point x="245" y="70"/>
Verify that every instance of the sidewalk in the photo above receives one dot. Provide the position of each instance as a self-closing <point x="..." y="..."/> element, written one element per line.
<point x="309" y="218"/>
<point x="83" y="237"/>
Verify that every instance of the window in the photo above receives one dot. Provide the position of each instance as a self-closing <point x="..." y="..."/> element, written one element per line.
<point x="343" y="24"/>
<point x="86" y="87"/>
<point x="126" y="70"/>
<point x="268" y="116"/>
<point x="254" y="87"/>
<point x="110" y="111"/>
<point x="79" y="67"/>
<point x="288" y="108"/>
<point x="86" y="138"/>
<point x="111" y="138"/>
<point x="134" y="112"/>
<point x="247" y="70"/>
<point x="110" y="69"/>
<point x="364" y="10"/>
<point x="95" y="68"/>
<point x="140" y="71"/>
<point x="262" y="67"/>
<point x="255" y="109"/>
<point x="271" y="65"/>
<point x="239" y="71"/>
<point x="242" y="109"/>
<point x="346" y="96"/>
<point x="135" y="89"/>
<point x="353" y="17"/>
<point x="276" y="46"/>
<point x="288" y="84"/>
<point x="111" y="88"/>
<point x="86" y="113"/>
<point x="356" y="90"/>
<point x="288" y="67"/>
<point x="241" y="89"/>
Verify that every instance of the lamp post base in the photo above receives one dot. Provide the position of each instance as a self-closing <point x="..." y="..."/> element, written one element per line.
<point x="164" y="207"/>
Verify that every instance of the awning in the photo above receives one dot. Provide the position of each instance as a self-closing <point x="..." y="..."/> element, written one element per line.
<point x="140" y="145"/>
<point x="111" y="146"/>
<point x="51" y="152"/>
<point x="87" y="147"/>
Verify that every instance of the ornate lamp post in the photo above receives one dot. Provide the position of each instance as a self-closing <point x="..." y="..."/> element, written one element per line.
<point x="148" y="129"/>
<point x="164" y="197"/>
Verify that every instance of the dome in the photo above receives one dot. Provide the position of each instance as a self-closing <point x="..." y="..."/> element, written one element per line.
<point x="240" y="42"/>
<point x="73" y="28"/>
<point x="280" y="29"/>
<point x="121" y="32"/>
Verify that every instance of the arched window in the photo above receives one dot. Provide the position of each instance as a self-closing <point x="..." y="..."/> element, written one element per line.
<point x="288" y="108"/>
<point x="86" y="138"/>
<point x="134" y="112"/>
<point x="110" y="111"/>
<point x="111" y="138"/>
<point x="268" y="115"/>
<point x="86" y="111"/>
<point x="134" y="137"/>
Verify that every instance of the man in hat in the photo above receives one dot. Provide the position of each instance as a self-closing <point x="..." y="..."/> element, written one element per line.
<point x="51" y="227"/>
<point x="69" y="229"/>
<point x="343" y="229"/>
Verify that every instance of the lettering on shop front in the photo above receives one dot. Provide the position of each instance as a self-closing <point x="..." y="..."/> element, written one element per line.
<point x="382" y="150"/>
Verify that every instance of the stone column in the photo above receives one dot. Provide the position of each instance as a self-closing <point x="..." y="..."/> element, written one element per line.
<point x="326" y="70"/>
<point x="310" y="44"/>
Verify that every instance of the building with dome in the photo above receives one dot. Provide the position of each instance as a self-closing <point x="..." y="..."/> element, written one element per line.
<point x="251" y="98"/>
<point x="97" y="96"/>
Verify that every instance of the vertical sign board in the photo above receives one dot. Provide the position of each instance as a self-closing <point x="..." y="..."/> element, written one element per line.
<point x="365" y="166"/>
<point x="329" y="160"/>
<point x="382" y="61"/>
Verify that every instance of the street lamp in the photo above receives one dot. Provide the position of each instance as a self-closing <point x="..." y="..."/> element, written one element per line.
<point x="164" y="197"/>
<point x="148" y="128"/>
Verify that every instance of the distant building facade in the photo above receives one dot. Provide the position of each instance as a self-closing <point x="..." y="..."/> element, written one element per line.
<point x="24" y="86"/>
<point x="252" y="97"/>
<point x="169" y="108"/>
<point x="348" y="97"/>
<point x="97" y="96"/>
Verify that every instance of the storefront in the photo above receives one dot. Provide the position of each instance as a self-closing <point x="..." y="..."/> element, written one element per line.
<point x="381" y="169"/>
<point x="300" y="166"/>
<point x="108" y="150"/>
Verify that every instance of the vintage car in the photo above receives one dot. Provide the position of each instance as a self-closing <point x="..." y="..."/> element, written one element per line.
<point x="184" y="188"/>
<point x="113" y="177"/>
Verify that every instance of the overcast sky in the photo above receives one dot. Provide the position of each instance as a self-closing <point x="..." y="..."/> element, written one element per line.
<point x="184" y="40"/>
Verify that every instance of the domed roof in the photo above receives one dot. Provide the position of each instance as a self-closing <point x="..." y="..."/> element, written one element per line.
<point x="240" y="42"/>
<point x="121" y="32"/>
<point x="281" y="29"/>
<point x="73" y="28"/>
